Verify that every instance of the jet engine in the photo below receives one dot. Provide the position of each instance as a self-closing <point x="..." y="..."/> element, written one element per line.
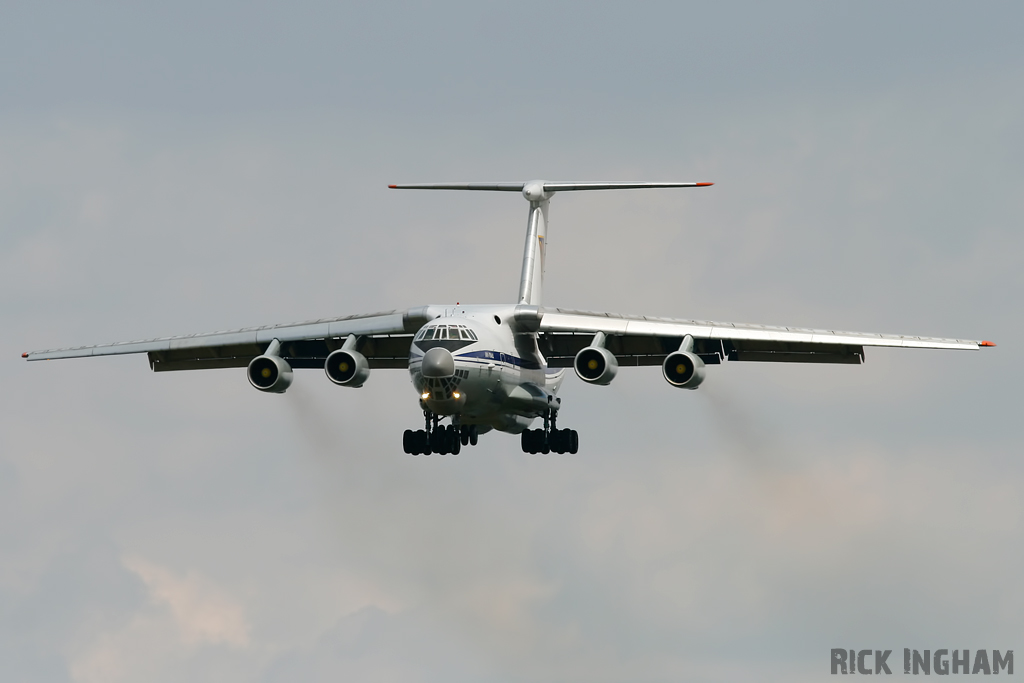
<point x="596" y="364"/>
<point x="270" y="373"/>
<point x="347" y="368"/>
<point x="683" y="369"/>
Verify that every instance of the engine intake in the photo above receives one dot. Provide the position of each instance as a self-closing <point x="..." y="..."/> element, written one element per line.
<point x="270" y="373"/>
<point x="347" y="368"/>
<point x="683" y="369"/>
<point x="596" y="365"/>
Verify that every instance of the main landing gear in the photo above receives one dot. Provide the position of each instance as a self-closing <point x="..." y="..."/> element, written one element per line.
<point x="437" y="438"/>
<point x="550" y="438"/>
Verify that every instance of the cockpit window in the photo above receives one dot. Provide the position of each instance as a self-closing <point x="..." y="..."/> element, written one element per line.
<point x="446" y="332"/>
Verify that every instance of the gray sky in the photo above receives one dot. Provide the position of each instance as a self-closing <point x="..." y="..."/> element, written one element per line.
<point x="188" y="168"/>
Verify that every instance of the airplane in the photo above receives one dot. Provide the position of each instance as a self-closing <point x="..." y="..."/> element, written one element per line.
<point x="499" y="367"/>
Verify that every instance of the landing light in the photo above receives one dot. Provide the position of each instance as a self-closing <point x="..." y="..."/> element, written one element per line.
<point x="457" y="395"/>
<point x="425" y="395"/>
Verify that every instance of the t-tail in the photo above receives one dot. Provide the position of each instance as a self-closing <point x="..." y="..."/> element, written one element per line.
<point x="538" y="193"/>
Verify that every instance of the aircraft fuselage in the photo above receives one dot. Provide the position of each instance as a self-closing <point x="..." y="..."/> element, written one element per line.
<point x="497" y="378"/>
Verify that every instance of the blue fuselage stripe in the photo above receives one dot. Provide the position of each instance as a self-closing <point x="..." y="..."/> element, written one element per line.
<point x="497" y="357"/>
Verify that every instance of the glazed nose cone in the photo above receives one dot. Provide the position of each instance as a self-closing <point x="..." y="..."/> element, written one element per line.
<point x="438" y="362"/>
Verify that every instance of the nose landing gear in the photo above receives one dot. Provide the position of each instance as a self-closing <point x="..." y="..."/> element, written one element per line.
<point x="550" y="438"/>
<point x="438" y="438"/>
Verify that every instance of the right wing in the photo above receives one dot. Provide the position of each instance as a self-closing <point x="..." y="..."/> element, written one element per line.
<point x="639" y="340"/>
<point x="388" y="336"/>
<point x="546" y="185"/>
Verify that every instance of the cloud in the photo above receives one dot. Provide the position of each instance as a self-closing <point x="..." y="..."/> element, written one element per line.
<point x="185" y="615"/>
<point x="202" y="611"/>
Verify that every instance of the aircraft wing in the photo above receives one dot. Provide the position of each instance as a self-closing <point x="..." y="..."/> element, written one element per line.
<point x="304" y="345"/>
<point x="639" y="340"/>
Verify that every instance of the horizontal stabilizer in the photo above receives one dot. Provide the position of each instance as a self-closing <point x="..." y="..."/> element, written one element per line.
<point x="566" y="187"/>
<point x="548" y="186"/>
<point x="538" y="193"/>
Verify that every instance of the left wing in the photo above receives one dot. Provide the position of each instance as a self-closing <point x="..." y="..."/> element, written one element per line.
<point x="639" y="340"/>
<point x="387" y="337"/>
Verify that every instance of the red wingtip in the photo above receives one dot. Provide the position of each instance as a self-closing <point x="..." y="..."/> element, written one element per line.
<point x="24" y="355"/>
<point x="392" y="187"/>
<point x="704" y="184"/>
<point x="988" y="343"/>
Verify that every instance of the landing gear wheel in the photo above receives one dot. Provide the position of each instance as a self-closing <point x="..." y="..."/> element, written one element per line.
<point x="422" y="442"/>
<point x="455" y="439"/>
<point x="535" y="441"/>
<point x="409" y="442"/>
<point x="527" y="441"/>
<point x="559" y="440"/>
<point x="464" y="435"/>
<point x="474" y="435"/>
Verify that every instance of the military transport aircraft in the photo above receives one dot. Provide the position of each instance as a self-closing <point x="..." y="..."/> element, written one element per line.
<point x="485" y="367"/>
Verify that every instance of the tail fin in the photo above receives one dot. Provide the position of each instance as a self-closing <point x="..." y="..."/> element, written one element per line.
<point x="531" y="281"/>
<point x="538" y="193"/>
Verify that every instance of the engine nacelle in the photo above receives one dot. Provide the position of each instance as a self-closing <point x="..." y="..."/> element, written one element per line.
<point x="347" y="368"/>
<point x="596" y="364"/>
<point x="683" y="369"/>
<point x="270" y="373"/>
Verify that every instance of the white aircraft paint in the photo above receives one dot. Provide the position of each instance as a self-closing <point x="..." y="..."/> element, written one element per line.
<point x="485" y="367"/>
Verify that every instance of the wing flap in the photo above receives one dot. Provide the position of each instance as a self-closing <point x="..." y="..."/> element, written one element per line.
<point x="783" y="357"/>
<point x="792" y="352"/>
